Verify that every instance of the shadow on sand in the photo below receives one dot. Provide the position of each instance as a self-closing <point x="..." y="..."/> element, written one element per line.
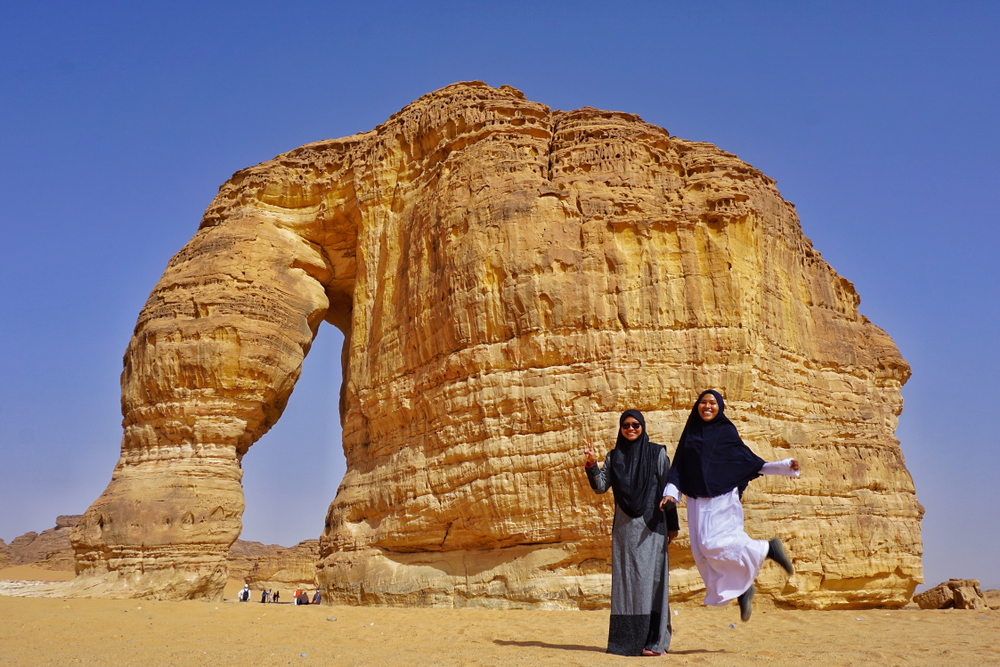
<point x="591" y="649"/>
<point x="538" y="644"/>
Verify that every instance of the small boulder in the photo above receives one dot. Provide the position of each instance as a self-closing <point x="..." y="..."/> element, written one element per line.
<point x="967" y="597"/>
<point x="992" y="598"/>
<point x="958" y="593"/>
<point x="954" y="584"/>
<point x="939" y="597"/>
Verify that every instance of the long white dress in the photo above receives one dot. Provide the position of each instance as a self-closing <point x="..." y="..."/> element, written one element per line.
<point x="727" y="558"/>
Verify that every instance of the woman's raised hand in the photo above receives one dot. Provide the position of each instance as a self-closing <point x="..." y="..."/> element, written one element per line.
<point x="794" y="465"/>
<point x="588" y="451"/>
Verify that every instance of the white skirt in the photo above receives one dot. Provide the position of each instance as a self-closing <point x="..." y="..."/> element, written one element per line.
<point x="727" y="558"/>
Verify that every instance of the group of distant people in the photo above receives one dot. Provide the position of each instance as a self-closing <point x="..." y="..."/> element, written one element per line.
<point x="301" y="597"/>
<point x="298" y="598"/>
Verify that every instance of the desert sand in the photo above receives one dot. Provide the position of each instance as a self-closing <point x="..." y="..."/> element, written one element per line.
<point x="44" y="631"/>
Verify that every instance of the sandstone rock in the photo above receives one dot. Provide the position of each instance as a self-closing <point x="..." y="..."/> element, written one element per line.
<point x="955" y="584"/>
<point x="243" y="556"/>
<point x="55" y="545"/>
<point x="20" y="544"/>
<point x="286" y="569"/>
<point x="967" y="597"/>
<point x="941" y="596"/>
<point x="509" y="279"/>
<point x="992" y="598"/>
<point x="273" y="566"/>
<point x="5" y="560"/>
<point x="247" y="561"/>
<point x="946" y="595"/>
<point x="49" y="550"/>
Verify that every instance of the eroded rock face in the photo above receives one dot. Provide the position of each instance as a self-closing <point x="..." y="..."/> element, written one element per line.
<point x="5" y="560"/>
<point x="290" y="568"/>
<point x="49" y="550"/>
<point x="509" y="279"/>
<point x="243" y="555"/>
<point x="274" y="567"/>
<point x="957" y="593"/>
<point x="260" y="565"/>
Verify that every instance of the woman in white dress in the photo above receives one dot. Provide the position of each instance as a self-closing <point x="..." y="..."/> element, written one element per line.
<point x="712" y="467"/>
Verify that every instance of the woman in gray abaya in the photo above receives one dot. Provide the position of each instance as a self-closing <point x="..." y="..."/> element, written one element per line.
<point x="636" y="469"/>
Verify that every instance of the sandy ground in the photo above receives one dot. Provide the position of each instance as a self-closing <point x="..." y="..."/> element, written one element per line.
<point x="38" y="631"/>
<point x="28" y="573"/>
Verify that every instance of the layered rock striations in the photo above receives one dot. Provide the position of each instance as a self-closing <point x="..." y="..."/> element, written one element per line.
<point x="260" y="565"/>
<point x="274" y="567"/>
<point x="285" y="568"/>
<point x="508" y="279"/>
<point x="49" y="550"/>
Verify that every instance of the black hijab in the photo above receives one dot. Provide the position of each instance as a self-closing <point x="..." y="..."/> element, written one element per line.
<point x="711" y="459"/>
<point x="634" y="474"/>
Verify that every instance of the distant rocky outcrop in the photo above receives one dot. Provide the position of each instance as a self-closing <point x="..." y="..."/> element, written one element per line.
<point x="954" y="593"/>
<point x="509" y="278"/>
<point x="243" y="556"/>
<point x="260" y="565"/>
<point x="50" y="550"/>
<point x="283" y="568"/>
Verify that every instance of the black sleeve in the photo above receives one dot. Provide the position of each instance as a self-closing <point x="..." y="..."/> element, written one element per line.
<point x="672" y="522"/>
<point x="599" y="476"/>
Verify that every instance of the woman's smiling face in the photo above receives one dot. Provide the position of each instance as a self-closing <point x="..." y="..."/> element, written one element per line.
<point x="708" y="407"/>
<point x="631" y="428"/>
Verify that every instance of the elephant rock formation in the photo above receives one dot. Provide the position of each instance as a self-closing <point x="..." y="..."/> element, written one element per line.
<point x="508" y="279"/>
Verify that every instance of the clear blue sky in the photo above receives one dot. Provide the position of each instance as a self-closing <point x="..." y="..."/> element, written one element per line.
<point x="119" y="121"/>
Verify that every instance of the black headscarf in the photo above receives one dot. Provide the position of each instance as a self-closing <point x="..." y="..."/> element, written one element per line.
<point x="711" y="459"/>
<point x="634" y="474"/>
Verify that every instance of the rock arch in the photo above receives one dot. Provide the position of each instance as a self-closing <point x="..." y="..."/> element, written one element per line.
<point x="508" y="279"/>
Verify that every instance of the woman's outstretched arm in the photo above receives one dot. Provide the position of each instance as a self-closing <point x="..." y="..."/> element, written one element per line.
<point x="785" y="467"/>
<point x="596" y="475"/>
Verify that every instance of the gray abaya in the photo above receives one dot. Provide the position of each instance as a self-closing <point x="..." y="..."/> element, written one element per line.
<point x="640" y="610"/>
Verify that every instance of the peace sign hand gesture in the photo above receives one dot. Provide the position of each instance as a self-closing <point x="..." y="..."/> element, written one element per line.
<point x="588" y="452"/>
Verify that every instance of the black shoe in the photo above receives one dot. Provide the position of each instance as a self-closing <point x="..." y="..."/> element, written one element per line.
<point x="776" y="553"/>
<point x="745" y="608"/>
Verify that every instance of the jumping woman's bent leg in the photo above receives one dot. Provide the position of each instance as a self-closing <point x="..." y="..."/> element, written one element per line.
<point x="727" y="558"/>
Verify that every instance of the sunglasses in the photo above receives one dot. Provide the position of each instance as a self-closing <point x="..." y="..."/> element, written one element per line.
<point x="631" y="426"/>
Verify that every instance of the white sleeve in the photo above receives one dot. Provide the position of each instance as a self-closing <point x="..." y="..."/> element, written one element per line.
<point x="672" y="491"/>
<point x="782" y="467"/>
